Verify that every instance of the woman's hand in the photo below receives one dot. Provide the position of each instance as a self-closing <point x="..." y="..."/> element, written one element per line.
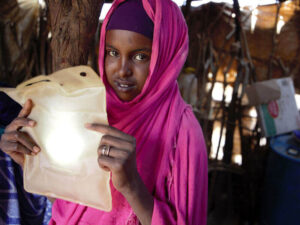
<point x="16" y="143"/>
<point x="116" y="153"/>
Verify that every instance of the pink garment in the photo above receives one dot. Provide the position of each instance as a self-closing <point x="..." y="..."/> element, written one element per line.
<point x="171" y="153"/>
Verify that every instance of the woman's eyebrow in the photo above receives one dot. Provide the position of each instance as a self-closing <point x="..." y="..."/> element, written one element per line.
<point x="110" y="46"/>
<point x="136" y="50"/>
<point x="143" y="50"/>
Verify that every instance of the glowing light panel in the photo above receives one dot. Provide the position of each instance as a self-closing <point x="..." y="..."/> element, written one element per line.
<point x="64" y="142"/>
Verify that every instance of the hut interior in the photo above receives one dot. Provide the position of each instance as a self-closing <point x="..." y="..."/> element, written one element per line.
<point x="231" y="47"/>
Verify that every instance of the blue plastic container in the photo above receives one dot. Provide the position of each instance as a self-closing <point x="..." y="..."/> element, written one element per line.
<point x="281" y="194"/>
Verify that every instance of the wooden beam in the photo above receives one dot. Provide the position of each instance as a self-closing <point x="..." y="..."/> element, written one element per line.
<point x="73" y="26"/>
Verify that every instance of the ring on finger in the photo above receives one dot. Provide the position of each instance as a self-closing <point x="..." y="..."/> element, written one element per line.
<point x="105" y="150"/>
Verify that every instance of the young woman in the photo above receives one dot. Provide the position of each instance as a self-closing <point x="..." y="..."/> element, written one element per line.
<point x="154" y="147"/>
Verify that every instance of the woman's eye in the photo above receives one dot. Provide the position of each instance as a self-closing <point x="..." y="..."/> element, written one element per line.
<point x="140" y="57"/>
<point x="112" y="53"/>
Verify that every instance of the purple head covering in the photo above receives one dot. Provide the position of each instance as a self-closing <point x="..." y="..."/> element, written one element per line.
<point x="131" y="15"/>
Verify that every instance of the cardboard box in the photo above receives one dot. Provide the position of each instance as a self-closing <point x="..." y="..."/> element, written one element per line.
<point x="276" y="106"/>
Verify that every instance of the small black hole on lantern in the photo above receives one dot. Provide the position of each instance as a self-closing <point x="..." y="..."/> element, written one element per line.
<point x="83" y="74"/>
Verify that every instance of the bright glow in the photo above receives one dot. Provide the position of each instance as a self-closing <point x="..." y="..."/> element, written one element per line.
<point x="297" y="100"/>
<point x="42" y="3"/>
<point x="254" y="14"/>
<point x="64" y="144"/>
<point x="242" y="3"/>
<point x="280" y="24"/>
<point x="233" y="15"/>
<point x="104" y="11"/>
<point x="217" y="93"/>
<point x="179" y="2"/>
<point x="253" y="112"/>
<point x="237" y="159"/>
<point x="263" y="141"/>
<point x="198" y="3"/>
<point x="215" y="141"/>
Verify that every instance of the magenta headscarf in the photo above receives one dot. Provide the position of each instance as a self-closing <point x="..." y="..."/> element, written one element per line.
<point x="153" y="117"/>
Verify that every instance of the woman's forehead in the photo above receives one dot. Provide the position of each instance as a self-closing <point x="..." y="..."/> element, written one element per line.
<point x="125" y="37"/>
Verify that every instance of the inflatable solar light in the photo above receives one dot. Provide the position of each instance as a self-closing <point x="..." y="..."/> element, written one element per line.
<point x="67" y="166"/>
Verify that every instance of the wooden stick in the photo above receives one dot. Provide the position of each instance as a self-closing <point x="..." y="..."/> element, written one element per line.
<point x="73" y="25"/>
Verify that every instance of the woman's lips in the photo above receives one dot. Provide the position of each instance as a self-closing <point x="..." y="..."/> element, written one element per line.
<point x="124" y="86"/>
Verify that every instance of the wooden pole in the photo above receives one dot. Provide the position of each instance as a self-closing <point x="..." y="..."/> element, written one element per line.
<point x="232" y="109"/>
<point x="274" y="42"/>
<point x="187" y="8"/>
<point x="73" y="26"/>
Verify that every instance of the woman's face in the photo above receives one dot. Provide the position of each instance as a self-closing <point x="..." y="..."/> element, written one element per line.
<point x="127" y="61"/>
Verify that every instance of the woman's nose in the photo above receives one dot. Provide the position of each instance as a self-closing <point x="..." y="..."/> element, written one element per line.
<point x="125" y="68"/>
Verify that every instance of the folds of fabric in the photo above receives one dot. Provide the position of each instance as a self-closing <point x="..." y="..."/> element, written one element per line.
<point x="164" y="127"/>
<point x="153" y="117"/>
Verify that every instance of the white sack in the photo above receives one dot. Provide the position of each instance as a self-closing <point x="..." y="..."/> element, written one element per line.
<point x="67" y="166"/>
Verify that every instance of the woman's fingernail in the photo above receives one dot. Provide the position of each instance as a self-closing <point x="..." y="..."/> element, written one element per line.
<point x="36" y="149"/>
<point x="88" y="125"/>
<point x="31" y="123"/>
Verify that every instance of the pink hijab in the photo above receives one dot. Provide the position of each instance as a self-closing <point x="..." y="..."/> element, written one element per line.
<point x="153" y="117"/>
